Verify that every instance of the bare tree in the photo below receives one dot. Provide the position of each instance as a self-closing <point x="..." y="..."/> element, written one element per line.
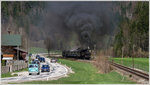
<point x="48" y="44"/>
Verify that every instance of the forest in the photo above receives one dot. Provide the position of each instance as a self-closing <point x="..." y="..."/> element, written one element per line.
<point x="130" y="26"/>
<point x="133" y="36"/>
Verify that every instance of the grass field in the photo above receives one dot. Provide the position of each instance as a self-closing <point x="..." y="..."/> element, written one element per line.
<point x="43" y="50"/>
<point x="37" y="50"/>
<point x="140" y="63"/>
<point x="8" y="75"/>
<point x="85" y="73"/>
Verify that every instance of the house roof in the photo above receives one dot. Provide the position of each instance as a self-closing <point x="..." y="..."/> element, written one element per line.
<point x="11" y="40"/>
<point x="20" y="49"/>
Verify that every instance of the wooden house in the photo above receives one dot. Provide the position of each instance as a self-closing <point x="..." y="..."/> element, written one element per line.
<point x="10" y="47"/>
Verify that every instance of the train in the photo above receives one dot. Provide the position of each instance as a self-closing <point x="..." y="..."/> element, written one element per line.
<point x="77" y="53"/>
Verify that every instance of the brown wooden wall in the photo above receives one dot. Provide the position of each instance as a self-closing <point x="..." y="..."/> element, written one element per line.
<point x="9" y="50"/>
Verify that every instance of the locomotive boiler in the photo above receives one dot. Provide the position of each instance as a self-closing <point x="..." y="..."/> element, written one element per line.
<point x="77" y="53"/>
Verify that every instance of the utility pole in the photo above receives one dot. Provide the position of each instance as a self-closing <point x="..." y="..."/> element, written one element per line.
<point x="18" y="52"/>
<point x="122" y="55"/>
<point x="27" y="50"/>
<point x="133" y="57"/>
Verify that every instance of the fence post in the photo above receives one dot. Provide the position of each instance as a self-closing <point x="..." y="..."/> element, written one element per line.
<point x="10" y="68"/>
<point x="17" y="67"/>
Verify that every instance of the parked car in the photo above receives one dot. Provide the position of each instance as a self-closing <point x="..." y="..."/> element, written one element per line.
<point x="53" y="60"/>
<point x="45" y="68"/>
<point x="34" y="69"/>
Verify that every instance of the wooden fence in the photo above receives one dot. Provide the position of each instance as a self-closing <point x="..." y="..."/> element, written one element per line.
<point x="16" y="65"/>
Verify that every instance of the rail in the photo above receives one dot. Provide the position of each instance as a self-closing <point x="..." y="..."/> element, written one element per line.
<point x="131" y="70"/>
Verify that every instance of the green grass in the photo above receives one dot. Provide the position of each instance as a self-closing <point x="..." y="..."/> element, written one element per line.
<point x="37" y="50"/>
<point x="85" y="73"/>
<point x="3" y="62"/>
<point x="140" y="63"/>
<point x="9" y="73"/>
<point x="43" y="50"/>
<point x="30" y="60"/>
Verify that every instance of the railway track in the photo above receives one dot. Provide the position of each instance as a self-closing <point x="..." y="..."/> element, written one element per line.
<point x="132" y="71"/>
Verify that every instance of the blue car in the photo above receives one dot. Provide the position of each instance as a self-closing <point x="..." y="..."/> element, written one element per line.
<point x="45" y="68"/>
<point x="41" y="59"/>
<point x="35" y="62"/>
<point x="34" y="69"/>
<point x="37" y="56"/>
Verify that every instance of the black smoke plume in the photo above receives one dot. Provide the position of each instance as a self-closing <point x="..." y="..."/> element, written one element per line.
<point x="82" y="23"/>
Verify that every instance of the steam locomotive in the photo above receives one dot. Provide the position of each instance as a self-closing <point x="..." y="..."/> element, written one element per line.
<point x="77" y="53"/>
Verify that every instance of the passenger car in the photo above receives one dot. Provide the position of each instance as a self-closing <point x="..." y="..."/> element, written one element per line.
<point x="35" y="62"/>
<point x="53" y="60"/>
<point x="45" y="68"/>
<point x="41" y="59"/>
<point x="37" y="56"/>
<point x="34" y="69"/>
